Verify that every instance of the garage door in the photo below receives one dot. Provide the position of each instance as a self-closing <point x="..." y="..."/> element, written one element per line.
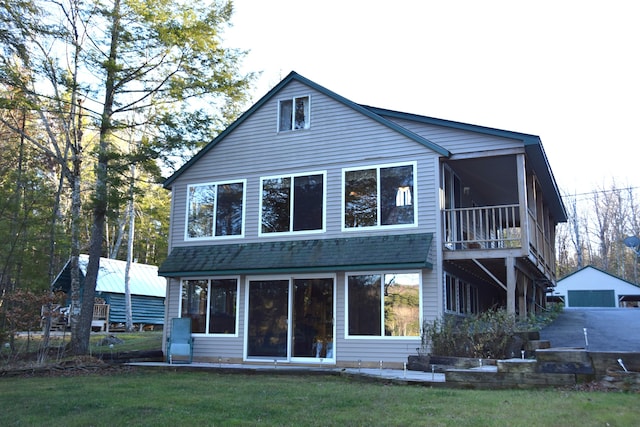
<point x="592" y="299"/>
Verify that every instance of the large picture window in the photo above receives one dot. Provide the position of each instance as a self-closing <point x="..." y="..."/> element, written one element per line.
<point x="211" y="305"/>
<point x="379" y="196"/>
<point x="383" y="305"/>
<point x="215" y="210"/>
<point x="292" y="203"/>
<point x="293" y="114"/>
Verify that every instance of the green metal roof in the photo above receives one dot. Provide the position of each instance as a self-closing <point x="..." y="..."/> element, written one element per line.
<point x="354" y="253"/>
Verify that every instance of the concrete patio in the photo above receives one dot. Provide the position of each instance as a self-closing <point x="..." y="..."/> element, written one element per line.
<point x="393" y="375"/>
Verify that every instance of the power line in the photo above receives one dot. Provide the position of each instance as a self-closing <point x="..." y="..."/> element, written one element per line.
<point x="594" y="192"/>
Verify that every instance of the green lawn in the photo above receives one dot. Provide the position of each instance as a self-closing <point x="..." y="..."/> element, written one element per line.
<point x="180" y="397"/>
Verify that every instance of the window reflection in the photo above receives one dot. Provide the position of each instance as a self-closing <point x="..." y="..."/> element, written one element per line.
<point x="379" y="196"/>
<point x="400" y="297"/>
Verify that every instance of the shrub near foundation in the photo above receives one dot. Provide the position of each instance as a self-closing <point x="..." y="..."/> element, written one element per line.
<point x="488" y="335"/>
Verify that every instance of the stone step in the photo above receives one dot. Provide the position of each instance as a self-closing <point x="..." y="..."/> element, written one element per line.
<point x="534" y="345"/>
<point x="517" y="365"/>
<point x="561" y="354"/>
<point x="564" y="361"/>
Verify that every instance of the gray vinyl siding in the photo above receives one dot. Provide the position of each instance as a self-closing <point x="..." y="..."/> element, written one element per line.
<point x="458" y="141"/>
<point x="339" y="137"/>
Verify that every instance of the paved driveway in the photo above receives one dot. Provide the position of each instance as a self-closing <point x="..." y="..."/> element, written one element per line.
<point x="608" y="329"/>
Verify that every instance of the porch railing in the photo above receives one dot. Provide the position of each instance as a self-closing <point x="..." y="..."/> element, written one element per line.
<point x="541" y="246"/>
<point x="486" y="227"/>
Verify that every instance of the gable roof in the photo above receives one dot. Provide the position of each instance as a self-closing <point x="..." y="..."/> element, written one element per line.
<point x="602" y="272"/>
<point x="382" y="252"/>
<point x="144" y="279"/>
<point x="293" y="76"/>
<point x="532" y="143"/>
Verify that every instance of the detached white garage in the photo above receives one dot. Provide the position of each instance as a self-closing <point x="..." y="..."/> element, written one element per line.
<point x="591" y="287"/>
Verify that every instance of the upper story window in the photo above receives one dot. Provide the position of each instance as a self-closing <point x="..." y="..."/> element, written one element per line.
<point x="379" y="196"/>
<point x="215" y="210"/>
<point x="293" y="114"/>
<point x="293" y="203"/>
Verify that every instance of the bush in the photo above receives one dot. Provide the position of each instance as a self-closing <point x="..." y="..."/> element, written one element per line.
<point x="20" y="311"/>
<point x="488" y="335"/>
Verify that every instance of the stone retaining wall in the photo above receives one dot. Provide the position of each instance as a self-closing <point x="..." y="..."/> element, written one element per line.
<point x="551" y="367"/>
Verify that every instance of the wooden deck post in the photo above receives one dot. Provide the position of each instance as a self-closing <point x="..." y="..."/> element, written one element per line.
<point x="510" y="264"/>
<point x="522" y="303"/>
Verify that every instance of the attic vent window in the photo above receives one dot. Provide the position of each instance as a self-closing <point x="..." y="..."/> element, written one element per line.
<point x="293" y="114"/>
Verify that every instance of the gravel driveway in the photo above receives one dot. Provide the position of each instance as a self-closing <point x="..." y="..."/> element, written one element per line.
<point x="608" y="329"/>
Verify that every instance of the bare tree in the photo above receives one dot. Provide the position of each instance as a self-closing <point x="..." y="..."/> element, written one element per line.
<point x="598" y="224"/>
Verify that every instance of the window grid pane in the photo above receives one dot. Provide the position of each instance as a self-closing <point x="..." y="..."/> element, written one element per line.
<point x="396" y="195"/>
<point x="229" y="209"/>
<point x="223" y="306"/>
<point x="401" y="305"/>
<point x="361" y="194"/>
<point x="365" y="305"/>
<point x="286" y="114"/>
<point x="276" y="199"/>
<point x="301" y="120"/>
<point x="202" y="200"/>
<point x="194" y="303"/>
<point x="308" y="202"/>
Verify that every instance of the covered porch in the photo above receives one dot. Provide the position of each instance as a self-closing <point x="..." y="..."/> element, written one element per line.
<point x="498" y="222"/>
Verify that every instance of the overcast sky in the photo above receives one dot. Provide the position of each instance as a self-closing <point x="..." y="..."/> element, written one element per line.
<point x="568" y="71"/>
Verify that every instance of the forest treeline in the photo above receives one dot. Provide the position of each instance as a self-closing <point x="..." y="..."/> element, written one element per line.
<point x="598" y="224"/>
<point x="98" y="100"/>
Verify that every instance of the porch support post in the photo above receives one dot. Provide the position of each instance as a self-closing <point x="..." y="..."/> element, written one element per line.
<point x="539" y="300"/>
<point x="522" y="303"/>
<point x="511" y="284"/>
<point x="522" y="201"/>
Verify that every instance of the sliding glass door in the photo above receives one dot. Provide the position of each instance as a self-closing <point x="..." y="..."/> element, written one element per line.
<point x="313" y="318"/>
<point x="268" y="326"/>
<point x="290" y="319"/>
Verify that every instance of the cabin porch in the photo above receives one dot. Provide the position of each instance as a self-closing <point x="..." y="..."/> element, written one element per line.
<point x="498" y="230"/>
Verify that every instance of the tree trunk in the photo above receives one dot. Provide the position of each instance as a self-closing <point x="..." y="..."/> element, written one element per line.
<point x="51" y="270"/>
<point x="127" y="271"/>
<point x="77" y="347"/>
<point x="100" y="192"/>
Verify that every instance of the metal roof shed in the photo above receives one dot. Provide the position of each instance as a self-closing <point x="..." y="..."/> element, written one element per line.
<point x="147" y="289"/>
